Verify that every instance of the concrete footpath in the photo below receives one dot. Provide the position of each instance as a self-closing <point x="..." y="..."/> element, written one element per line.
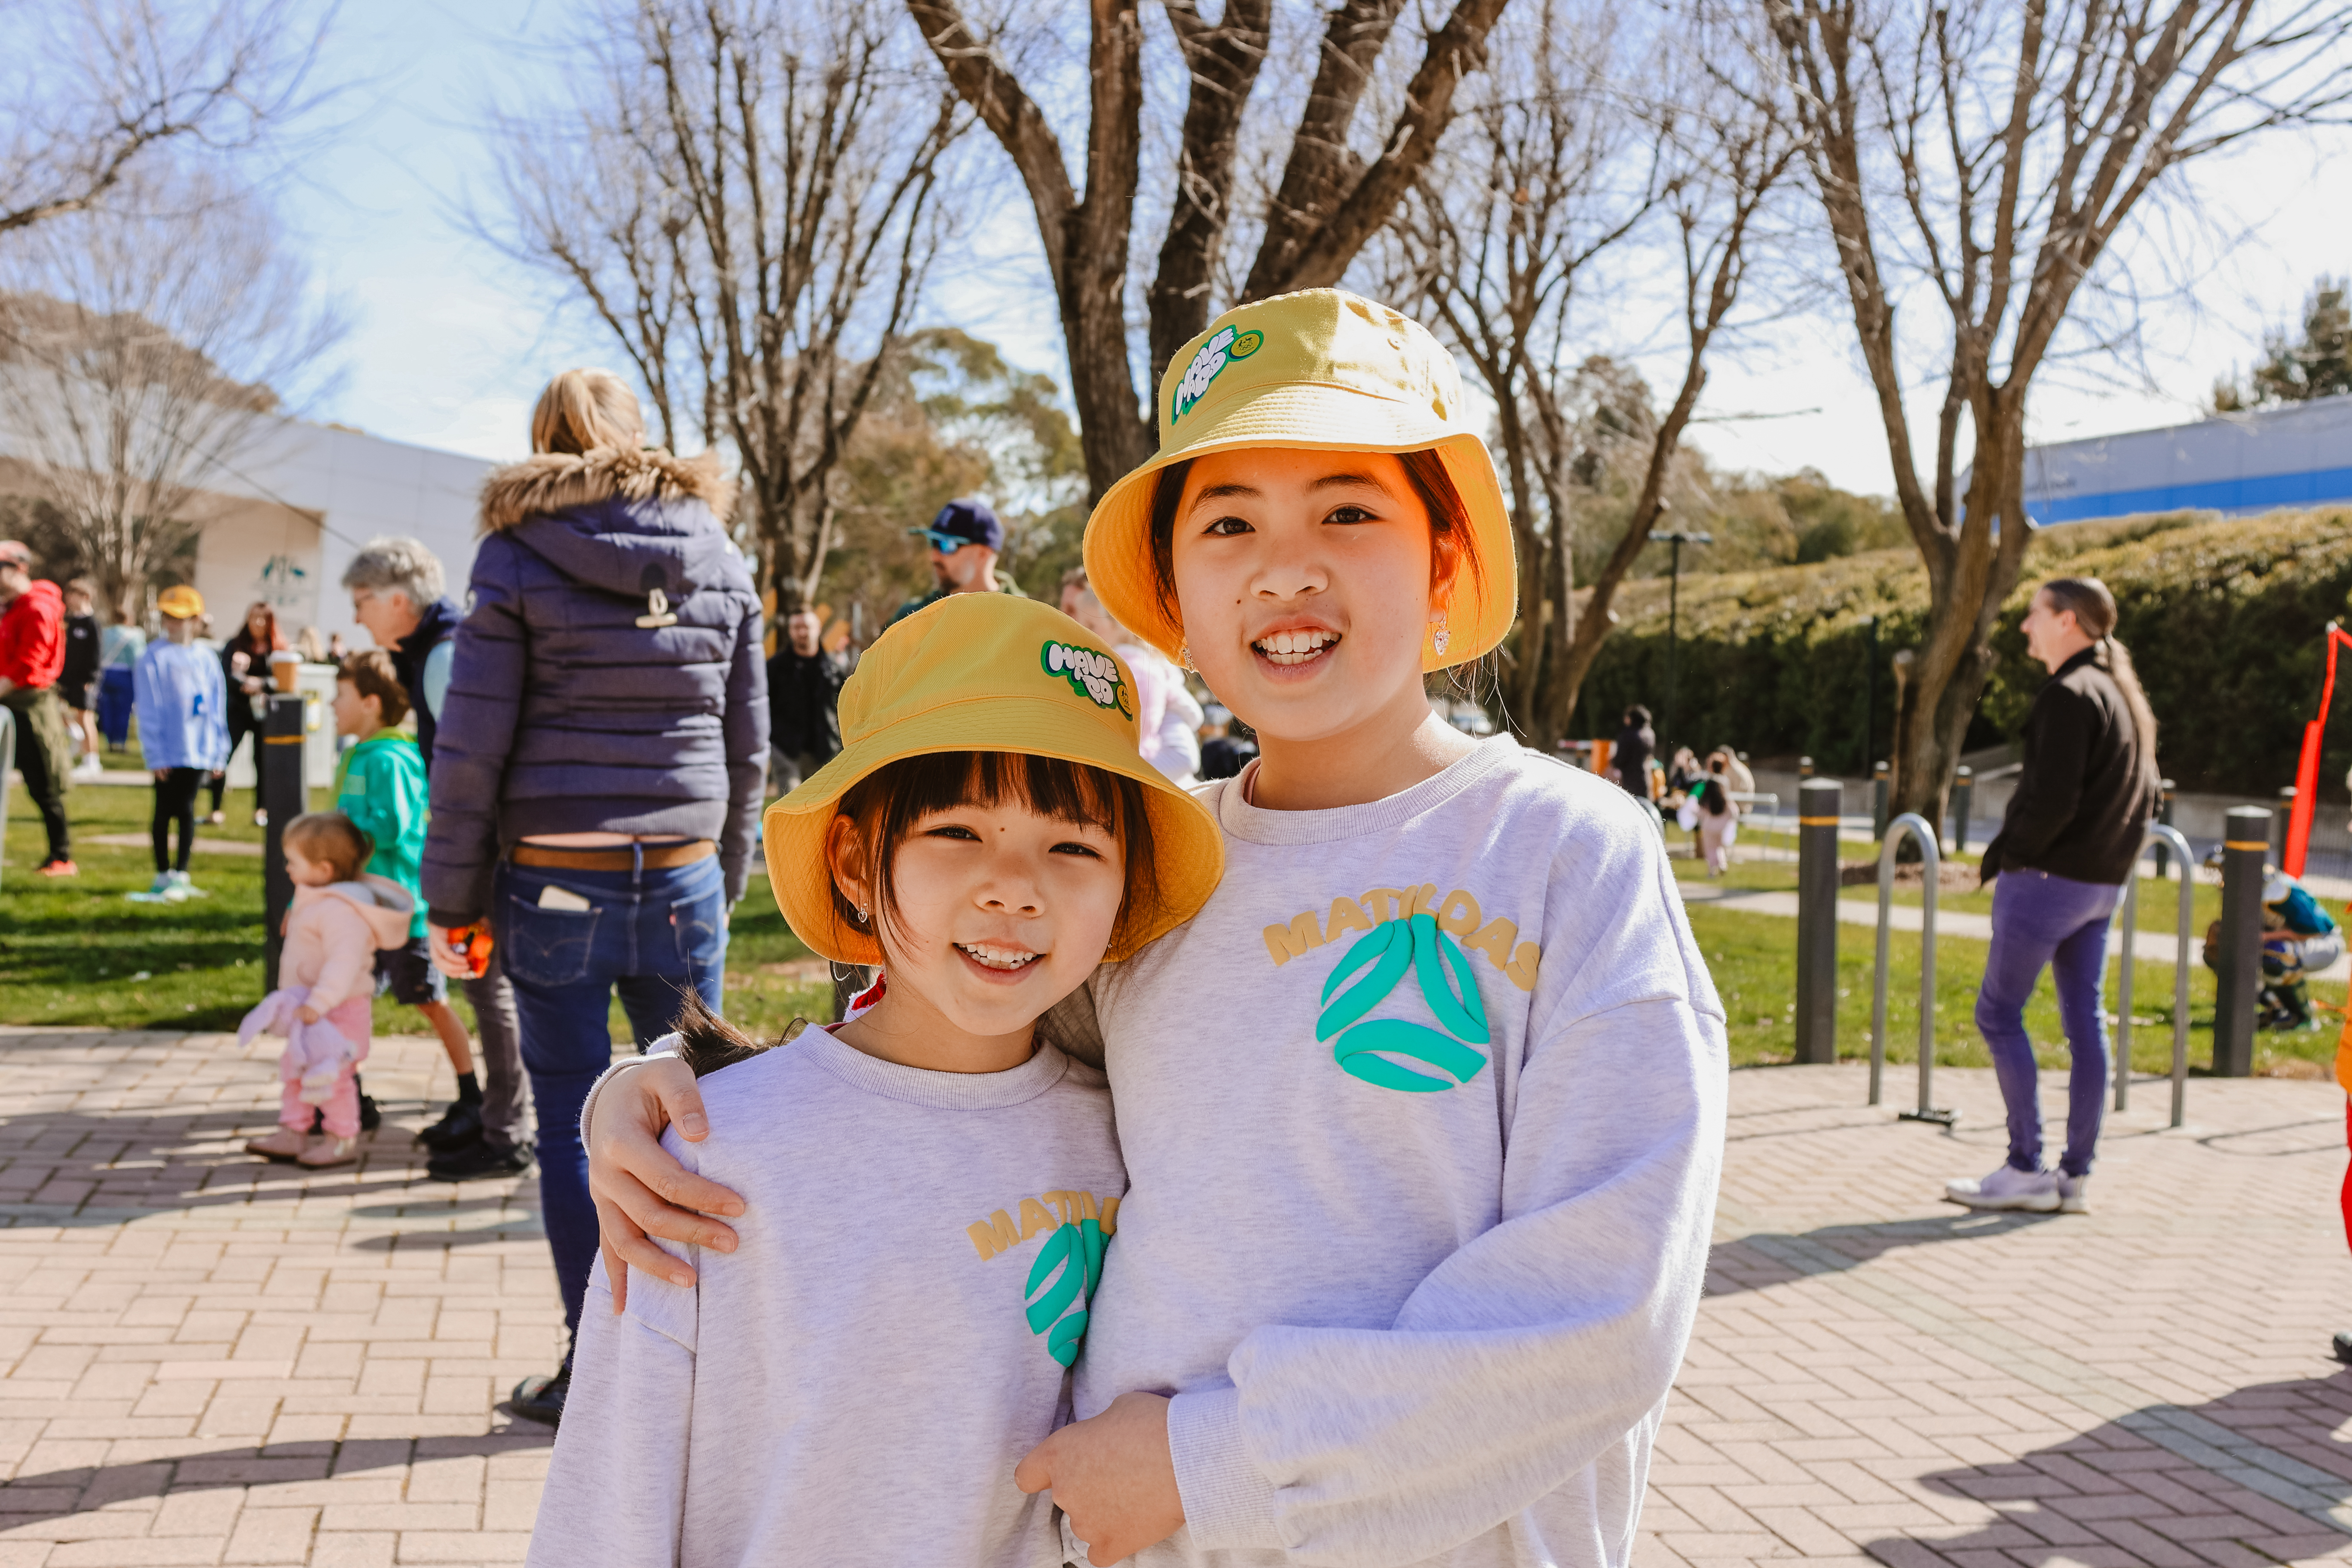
<point x="206" y="1359"/>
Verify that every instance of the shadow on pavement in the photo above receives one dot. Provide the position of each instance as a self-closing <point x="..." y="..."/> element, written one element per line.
<point x="57" y="1494"/>
<point x="2258" y="1474"/>
<point x="1776" y="1257"/>
<point x="74" y="1168"/>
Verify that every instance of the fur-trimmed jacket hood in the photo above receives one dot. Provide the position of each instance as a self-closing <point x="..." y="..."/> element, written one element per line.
<point x="559" y="481"/>
<point x="625" y="521"/>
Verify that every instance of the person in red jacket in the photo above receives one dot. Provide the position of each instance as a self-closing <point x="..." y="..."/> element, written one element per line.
<point x="32" y="655"/>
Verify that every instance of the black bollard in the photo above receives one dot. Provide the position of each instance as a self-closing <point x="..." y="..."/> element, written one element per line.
<point x="1878" y="802"/>
<point x="278" y="759"/>
<point x="2164" y="815"/>
<point x="1804" y="768"/>
<point x="1819" y="801"/>
<point x="2239" y="982"/>
<point x="2278" y="826"/>
<point x="1964" y="798"/>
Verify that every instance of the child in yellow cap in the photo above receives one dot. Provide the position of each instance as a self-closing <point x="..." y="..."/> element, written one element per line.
<point x="1421" y="1202"/>
<point x="182" y="699"/>
<point x="931" y="1187"/>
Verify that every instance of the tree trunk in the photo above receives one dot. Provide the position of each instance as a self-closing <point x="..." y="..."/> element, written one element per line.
<point x="1968" y="583"/>
<point x="1113" y="431"/>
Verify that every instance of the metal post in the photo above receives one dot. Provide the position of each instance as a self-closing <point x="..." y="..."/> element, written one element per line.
<point x="2278" y="826"/>
<point x="1910" y="822"/>
<point x="285" y="796"/>
<point x="7" y="761"/>
<point x="2244" y="849"/>
<point x="1964" y="799"/>
<point x="2163" y="838"/>
<point x="1878" y="781"/>
<point x="1818" y="802"/>
<point x="2164" y="815"/>
<point x="1870" y="692"/>
<point x="1673" y="618"/>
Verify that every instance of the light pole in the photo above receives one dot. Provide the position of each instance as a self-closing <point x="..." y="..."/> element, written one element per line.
<point x="1677" y="539"/>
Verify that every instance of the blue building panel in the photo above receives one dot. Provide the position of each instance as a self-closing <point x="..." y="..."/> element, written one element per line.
<point x="2233" y="464"/>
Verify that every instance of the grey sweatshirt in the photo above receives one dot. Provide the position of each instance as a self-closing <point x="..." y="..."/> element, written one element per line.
<point x="1423" y="1115"/>
<point x="855" y="1384"/>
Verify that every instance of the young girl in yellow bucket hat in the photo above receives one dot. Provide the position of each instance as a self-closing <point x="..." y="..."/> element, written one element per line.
<point x="1422" y="1111"/>
<point x="930" y="1187"/>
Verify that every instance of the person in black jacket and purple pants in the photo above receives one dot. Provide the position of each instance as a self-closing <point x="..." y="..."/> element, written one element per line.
<point x="2067" y="849"/>
<point x="597" y="765"/>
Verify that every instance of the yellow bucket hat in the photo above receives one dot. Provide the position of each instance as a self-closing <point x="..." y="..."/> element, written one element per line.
<point x="180" y="601"/>
<point x="985" y="672"/>
<point x="1329" y="371"/>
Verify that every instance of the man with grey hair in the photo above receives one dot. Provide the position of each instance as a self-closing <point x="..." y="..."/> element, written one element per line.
<point x="396" y="588"/>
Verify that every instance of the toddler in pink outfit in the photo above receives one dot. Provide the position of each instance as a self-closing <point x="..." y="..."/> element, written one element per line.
<point x="326" y="986"/>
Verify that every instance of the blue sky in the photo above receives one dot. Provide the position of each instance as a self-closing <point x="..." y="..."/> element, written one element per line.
<point x="451" y="342"/>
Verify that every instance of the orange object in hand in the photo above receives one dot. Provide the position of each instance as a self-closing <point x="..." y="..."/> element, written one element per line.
<point x="473" y="944"/>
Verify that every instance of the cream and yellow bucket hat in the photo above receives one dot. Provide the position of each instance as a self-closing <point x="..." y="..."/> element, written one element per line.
<point x="985" y="672"/>
<point x="1324" y="371"/>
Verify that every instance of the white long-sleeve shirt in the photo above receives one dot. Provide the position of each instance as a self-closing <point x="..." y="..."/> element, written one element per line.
<point x="855" y="1382"/>
<point x="1418" y="1272"/>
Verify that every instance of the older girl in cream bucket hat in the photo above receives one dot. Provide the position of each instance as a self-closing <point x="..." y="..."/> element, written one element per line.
<point x="1423" y="1109"/>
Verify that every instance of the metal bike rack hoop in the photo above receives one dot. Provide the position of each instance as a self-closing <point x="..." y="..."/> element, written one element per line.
<point x="1912" y="822"/>
<point x="2163" y="837"/>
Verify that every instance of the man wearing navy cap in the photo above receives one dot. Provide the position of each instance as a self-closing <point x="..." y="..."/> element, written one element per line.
<point x="965" y="537"/>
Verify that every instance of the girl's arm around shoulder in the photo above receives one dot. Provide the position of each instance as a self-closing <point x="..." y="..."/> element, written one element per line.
<point x="616" y="1488"/>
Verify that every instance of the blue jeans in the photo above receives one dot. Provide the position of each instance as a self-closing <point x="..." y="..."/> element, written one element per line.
<point x="652" y="935"/>
<point x="2037" y="920"/>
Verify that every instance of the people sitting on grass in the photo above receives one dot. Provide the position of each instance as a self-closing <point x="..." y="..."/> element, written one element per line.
<point x="2299" y="940"/>
<point x="342" y="916"/>
<point x="183" y="703"/>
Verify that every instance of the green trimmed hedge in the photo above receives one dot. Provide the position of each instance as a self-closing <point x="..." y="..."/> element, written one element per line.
<point x="2226" y="620"/>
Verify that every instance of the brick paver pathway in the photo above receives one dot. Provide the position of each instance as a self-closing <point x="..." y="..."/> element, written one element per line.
<point x="1878" y="1374"/>
<point x="212" y="1360"/>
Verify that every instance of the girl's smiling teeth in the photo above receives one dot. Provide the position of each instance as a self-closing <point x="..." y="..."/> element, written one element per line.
<point x="995" y="955"/>
<point x="1295" y="647"/>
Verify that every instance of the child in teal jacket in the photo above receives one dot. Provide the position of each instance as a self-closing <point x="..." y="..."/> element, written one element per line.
<point x="380" y="785"/>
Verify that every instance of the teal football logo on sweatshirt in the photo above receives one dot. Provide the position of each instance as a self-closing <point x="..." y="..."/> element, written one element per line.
<point x="1068" y="1264"/>
<point x="1377" y="1051"/>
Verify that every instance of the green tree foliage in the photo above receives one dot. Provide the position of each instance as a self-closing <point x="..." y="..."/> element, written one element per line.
<point x="1757" y="521"/>
<point x="2225" y="621"/>
<point x="2318" y="364"/>
<point x="951" y="417"/>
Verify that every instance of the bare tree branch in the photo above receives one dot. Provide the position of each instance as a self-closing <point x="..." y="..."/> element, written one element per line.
<point x="117" y="81"/>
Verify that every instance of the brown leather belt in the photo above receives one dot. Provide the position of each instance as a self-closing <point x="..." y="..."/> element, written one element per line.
<point x="618" y="857"/>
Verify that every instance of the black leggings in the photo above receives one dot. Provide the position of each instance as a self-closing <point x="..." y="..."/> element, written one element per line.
<point x="241" y="723"/>
<point x="175" y="801"/>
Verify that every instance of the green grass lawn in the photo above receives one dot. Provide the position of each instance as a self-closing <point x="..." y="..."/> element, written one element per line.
<point x="1753" y="958"/>
<point x="75" y="951"/>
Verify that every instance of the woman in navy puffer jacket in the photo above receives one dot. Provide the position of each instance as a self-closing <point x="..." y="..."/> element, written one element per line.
<point x="598" y="768"/>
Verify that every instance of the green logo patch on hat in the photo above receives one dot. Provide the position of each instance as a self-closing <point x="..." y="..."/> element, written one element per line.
<point x="1215" y="355"/>
<point x="1093" y="676"/>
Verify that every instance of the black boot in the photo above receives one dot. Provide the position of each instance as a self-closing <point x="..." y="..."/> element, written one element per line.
<point x="540" y="1397"/>
<point x="461" y="1124"/>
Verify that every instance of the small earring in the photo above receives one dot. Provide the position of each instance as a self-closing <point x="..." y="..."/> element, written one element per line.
<point x="861" y="914"/>
<point x="1184" y="657"/>
<point x="1437" y="636"/>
